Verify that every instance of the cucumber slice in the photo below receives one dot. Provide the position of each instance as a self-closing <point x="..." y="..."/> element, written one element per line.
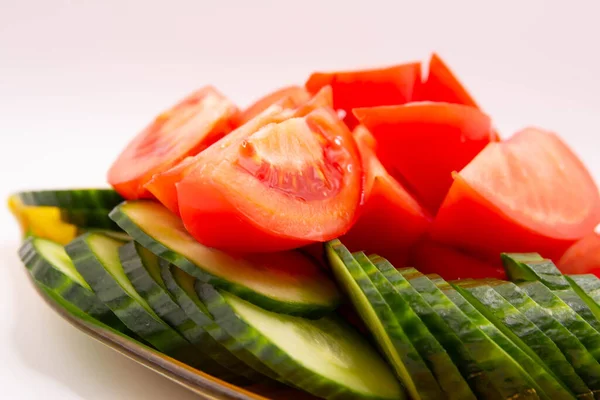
<point x="94" y="219"/>
<point x="96" y="257"/>
<point x="226" y="350"/>
<point x="528" y="337"/>
<point x="546" y="298"/>
<point x="580" y="358"/>
<point x="309" y="292"/>
<point x="143" y="271"/>
<point x="324" y="357"/>
<point x="508" y="378"/>
<point x="547" y="273"/>
<point x="588" y="288"/>
<point x="379" y="318"/>
<point x="84" y="199"/>
<point x="470" y="370"/>
<point x="50" y="266"/>
<point x="435" y="356"/>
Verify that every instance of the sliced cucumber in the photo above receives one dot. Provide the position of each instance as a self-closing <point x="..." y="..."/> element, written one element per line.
<point x="546" y="298"/>
<point x="51" y="267"/>
<point x="324" y="357"/>
<point x="470" y="370"/>
<point x="84" y="199"/>
<point x="547" y="273"/>
<point x="225" y="349"/>
<point x="528" y="337"/>
<point x="379" y="318"/>
<point x="143" y="271"/>
<point x="89" y="219"/>
<point x="433" y="353"/>
<point x="588" y="288"/>
<point x="259" y="279"/>
<point x="96" y="257"/>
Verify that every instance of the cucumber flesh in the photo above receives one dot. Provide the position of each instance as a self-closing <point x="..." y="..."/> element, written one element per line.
<point x="383" y="324"/>
<point x="433" y="353"/>
<point x="324" y="357"/>
<point x="85" y="199"/>
<point x="259" y="279"/>
<point x="528" y="337"/>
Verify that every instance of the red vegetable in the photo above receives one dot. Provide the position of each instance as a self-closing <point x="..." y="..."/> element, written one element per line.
<point x="185" y="130"/>
<point x="283" y="186"/>
<point x="583" y="257"/>
<point x="368" y="88"/>
<point x="423" y="143"/>
<point x="293" y="96"/>
<point x="527" y="194"/>
<point x="390" y="220"/>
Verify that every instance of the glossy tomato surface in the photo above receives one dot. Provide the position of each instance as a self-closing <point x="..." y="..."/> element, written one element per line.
<point x="442" y="85"/>
<point x="184" y="130"/>
<point x="423" y="143"/>
<point x="293" y="96"/>
<point x="527" y="194"/>
<point x="583" y="257"/>
<point x="285" y="185"/>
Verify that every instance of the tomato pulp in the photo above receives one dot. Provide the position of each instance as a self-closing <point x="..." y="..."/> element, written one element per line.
<point x="292" y="96"/>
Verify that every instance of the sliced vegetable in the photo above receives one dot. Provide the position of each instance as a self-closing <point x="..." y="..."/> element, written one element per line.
<point x="292" y="96"/>
<point x="588" y="288"/>
<point x="424" y="143"/>
<point x="287" y="282"/>
<point x="368" y="88"/>
<point x="284" y="186"/>
<point x="390" y="219"/>
<point x="583" y="257"/>
<point x="184" y="130"/>
<point x="325" y="357"/>
<point x="506" y="199"/>
<point x="383" y="324"/>
<point x="80" y="199"/>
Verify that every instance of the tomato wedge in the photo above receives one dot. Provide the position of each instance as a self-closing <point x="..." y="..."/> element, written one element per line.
<point x="390" y="220"/>
<point x="527" y="194"/>
<point x="368" y="88"/>
<point x="433" y="258"/>
<point x="285" y="185"/>
<point x="186" y="129"/>
<point x="293" y="96"/>
<point x="583" y="257"/>
<point x="423" y="143"/>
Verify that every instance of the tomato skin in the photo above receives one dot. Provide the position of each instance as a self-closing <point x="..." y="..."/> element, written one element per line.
<point x="390" y="220"/>
<point x="186" y="129"/>
<point x="423" y="143"/>
<point x="583" y="257"/>
<point x="368" y="88"/>
<point x="430" y="257"/>
<point x="292" y="96"/>
<point x="225" y="207"/>
<point x="478" y="214"/>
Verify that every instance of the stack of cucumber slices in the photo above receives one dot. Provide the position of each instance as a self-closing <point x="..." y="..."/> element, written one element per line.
<point x="132" y="267"/>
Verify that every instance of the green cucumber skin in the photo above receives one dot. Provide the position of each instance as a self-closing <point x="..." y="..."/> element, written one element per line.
<point x="169" y="311"/>
<point x="80" y="297"/>
<point x="580" y="358"/>
<point x="289" y="369"/>
<point x="304" y="310"/>
<point x="133" y="314"/>
<point x="507" y="376"/>
<point x="588" y="288"/>
<point x="416" y="378"/>
<point x="225" y="349"/>
<point x="432" y="352"/>
<point x="526" y="335"/>
<point x="92" y="219"/>
<point x="85" y="199"/>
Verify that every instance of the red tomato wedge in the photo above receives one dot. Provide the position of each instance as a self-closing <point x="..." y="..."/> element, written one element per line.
<point x="285" y="185"/>
<point x="434" y="258"/>
<point x="527" y="194"/>
<point x="423" y="143"/>
<point x="390" y="220"/>
<point x="583" y="257"/>
<point x="185" y="130"/>
<point x="294" y="96"/>
<point x="368" y="88"/>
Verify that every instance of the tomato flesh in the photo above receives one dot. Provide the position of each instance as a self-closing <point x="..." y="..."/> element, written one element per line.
<point x="368" y="88"/>
<point x="441" y="85"/>
<point x="583" y="257"/>
<point x="291" y="96"/>
<point x="185" y="130"/>
<point x="390" y="220"/>
<point x="285" y="185"/>
<point x="430" y="257"/>
<point x="423" y="143"/>
<point x="512" y="198"/>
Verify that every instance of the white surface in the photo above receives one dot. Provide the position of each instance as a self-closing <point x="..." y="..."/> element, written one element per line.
<point x="78" y="78"/>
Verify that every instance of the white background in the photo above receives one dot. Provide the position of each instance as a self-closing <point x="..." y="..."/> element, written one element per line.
<point x="79" y="78"/>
